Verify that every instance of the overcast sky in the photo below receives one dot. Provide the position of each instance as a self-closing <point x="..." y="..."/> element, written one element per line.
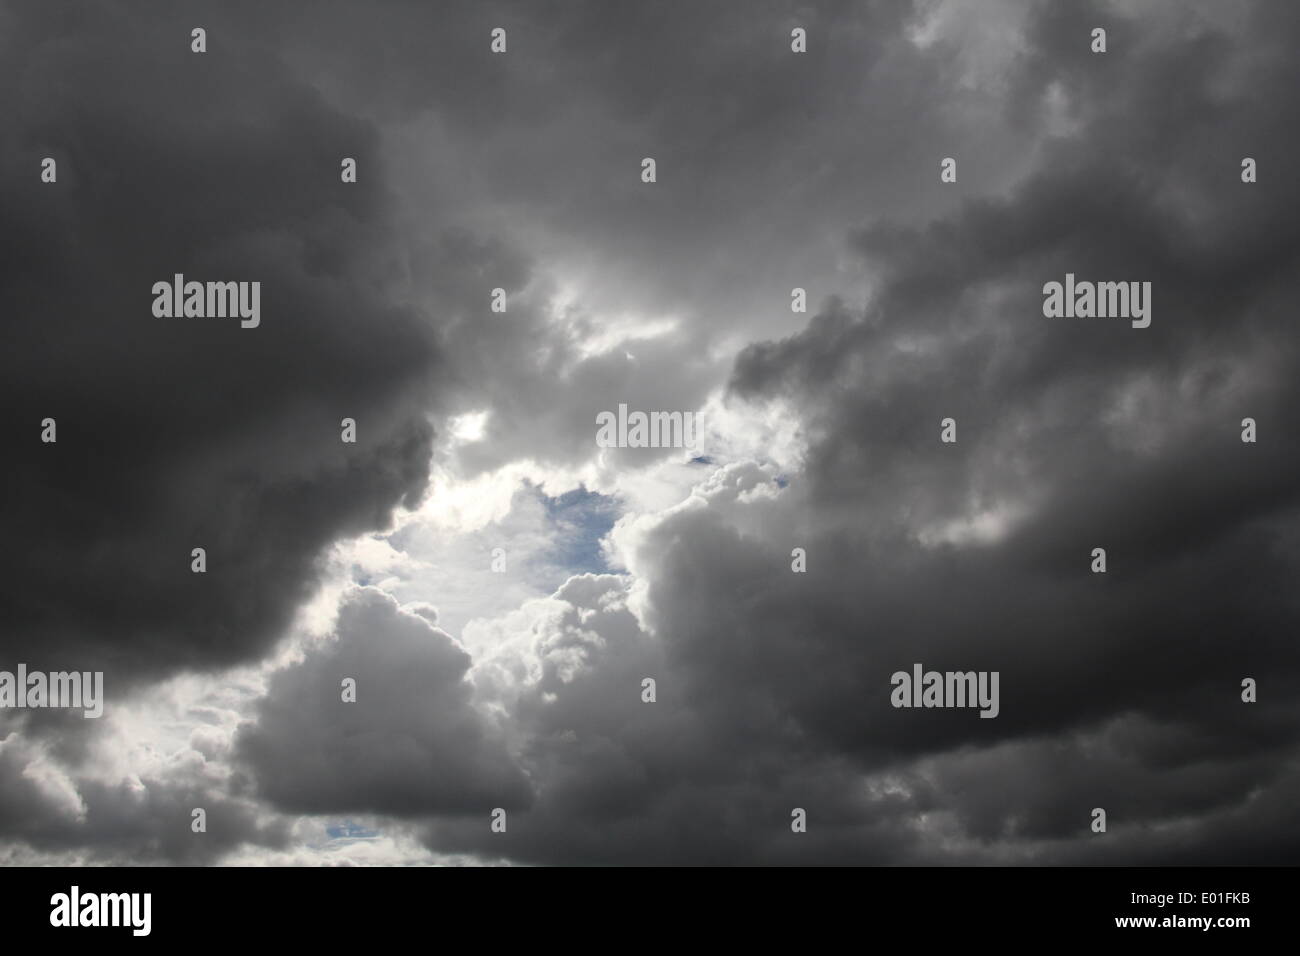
<point x="521" y="688"/>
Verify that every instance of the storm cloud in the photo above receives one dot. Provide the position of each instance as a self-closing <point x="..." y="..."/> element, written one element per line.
<point x="575" y="573"/>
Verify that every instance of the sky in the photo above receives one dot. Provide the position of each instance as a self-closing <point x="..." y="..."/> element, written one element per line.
<point x="498" y="586"/>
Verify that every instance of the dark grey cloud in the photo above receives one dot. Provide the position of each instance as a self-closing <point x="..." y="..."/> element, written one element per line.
<point x="1119" y="690"/>
<point x="181" y="433"/>
<point x="1104" y="436"/>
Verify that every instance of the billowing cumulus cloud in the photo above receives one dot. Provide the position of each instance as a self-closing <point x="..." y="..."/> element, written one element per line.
<point x="408" y="742"/>
<point x="48" y="812"/>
